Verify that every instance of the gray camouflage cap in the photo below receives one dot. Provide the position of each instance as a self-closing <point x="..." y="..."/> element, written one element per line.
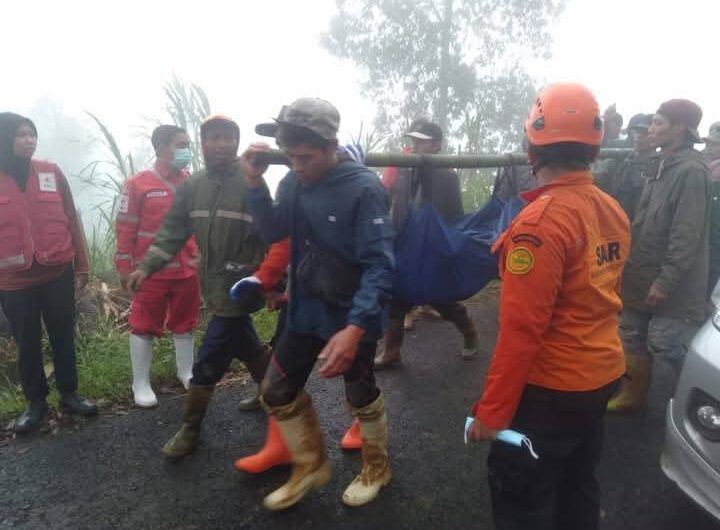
<point x="713" y="136"/>
<point x="315" y="114"/>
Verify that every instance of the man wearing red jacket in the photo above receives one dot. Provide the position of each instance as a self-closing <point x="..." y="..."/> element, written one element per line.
<point x="558" y="356"/>
<point x="171" y="298"/>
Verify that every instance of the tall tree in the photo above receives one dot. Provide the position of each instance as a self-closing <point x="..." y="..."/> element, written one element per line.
<point x="458" y="61"/>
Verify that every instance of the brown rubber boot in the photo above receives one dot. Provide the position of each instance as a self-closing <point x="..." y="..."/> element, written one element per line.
<point x="471" y="339"/>
<point x="376" y="466"/>
<point x="185" y="440"/>
<point x="299" y="425"/>
<point x="392" y="342"/>
<point x="634" y="392"/>
<point x="427" y="312"/>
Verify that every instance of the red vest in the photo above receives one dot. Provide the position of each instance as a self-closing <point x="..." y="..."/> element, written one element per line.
<point x="33" y="224"/>
<point x="145" y="201"/>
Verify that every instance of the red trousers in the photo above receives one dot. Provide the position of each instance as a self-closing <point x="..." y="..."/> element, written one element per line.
<point x="161" y="304"/>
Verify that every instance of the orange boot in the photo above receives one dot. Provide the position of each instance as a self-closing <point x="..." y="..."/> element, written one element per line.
<point x="274" y="453"/>
<point x="352" y="440"/>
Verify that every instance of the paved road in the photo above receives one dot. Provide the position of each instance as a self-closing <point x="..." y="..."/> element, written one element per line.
<point x="109" y="473"/>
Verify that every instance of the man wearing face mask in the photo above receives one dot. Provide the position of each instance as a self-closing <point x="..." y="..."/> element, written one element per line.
<point x="211" y="205"/>
<point x="171" y="298"/>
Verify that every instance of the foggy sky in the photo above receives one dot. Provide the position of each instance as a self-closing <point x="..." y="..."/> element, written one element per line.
<point x="251" y="58"/>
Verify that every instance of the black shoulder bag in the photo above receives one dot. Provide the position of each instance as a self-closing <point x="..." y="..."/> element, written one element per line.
<point x="322" y="273"/>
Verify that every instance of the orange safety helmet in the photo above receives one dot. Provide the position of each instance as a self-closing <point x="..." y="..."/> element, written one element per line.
<point x="565" y="112"/>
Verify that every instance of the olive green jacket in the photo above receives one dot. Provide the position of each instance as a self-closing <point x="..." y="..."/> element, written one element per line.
<point x="670" y="238"/>
<point x="625" y="184"/>
<point x="211" y="205"/>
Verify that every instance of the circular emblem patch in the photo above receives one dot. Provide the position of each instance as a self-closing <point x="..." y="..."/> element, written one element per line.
<point x="520" y="261"/>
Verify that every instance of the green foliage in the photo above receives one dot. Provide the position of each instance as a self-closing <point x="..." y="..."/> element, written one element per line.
<point x="103" y="363"/>
<point x="11" y="399"/>
<point x="107" y="177"/>
<point x="265" y="323"/>
<point x="101" y="248"/>
<point x="458" y="61"/>
<point x="124" y="164"/>
<point x="477" y="186"/>
<point x="373" y="140"/>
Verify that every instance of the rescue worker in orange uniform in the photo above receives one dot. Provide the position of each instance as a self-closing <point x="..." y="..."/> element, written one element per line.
<point x="558" y="356"/>
<point x="171" y="298"/>
<point x="43" y="259"/>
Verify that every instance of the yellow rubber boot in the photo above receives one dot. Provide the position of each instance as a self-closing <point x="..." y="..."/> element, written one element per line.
<point x="392" y="342"/>
<point x="310" y="467"/>
<point x="634" y="392"/>
<point x="375" y="472"/>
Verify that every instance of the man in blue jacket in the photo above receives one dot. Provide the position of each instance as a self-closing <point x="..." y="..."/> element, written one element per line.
<point x="335" y="212"/>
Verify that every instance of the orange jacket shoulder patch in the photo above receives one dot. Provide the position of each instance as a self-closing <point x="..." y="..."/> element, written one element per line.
<point x="520" y="260"/>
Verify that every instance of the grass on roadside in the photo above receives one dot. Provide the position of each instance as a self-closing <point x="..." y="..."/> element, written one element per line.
<point x="103" y="363"/>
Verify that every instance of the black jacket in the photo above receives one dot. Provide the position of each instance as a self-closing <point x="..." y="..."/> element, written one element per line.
<point x="415" y="187"/>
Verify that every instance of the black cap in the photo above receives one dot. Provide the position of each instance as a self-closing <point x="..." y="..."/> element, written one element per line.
<point x="425" y="130"/>
<point x="640" y="121"/>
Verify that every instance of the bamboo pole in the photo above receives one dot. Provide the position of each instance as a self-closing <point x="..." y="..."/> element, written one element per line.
<point x="454" y="161"/>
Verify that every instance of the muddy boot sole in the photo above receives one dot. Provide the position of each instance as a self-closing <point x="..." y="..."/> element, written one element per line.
<point x="319" y="478"/>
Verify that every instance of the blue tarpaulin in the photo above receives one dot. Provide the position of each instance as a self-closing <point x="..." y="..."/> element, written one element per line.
<point x="439" y="262"/>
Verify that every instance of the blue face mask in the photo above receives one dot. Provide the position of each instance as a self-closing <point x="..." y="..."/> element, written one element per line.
<point x="182" y="157"/>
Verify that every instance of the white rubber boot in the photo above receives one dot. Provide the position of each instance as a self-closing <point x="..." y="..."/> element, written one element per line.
<point x="141" y="352"/>
<point x="184" y="357"/>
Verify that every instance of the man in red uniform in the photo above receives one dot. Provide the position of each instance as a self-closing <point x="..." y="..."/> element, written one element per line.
<point x="171" y="298"/>
<point x="558" y="356"/>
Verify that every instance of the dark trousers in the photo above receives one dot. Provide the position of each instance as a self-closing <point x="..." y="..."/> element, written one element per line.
<point x="558" y="491"/>
<point x="293" y="361"/>
<point x="227" y="338"/>
<point x="51" y="302"/>
<point x="454" y="312"/>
